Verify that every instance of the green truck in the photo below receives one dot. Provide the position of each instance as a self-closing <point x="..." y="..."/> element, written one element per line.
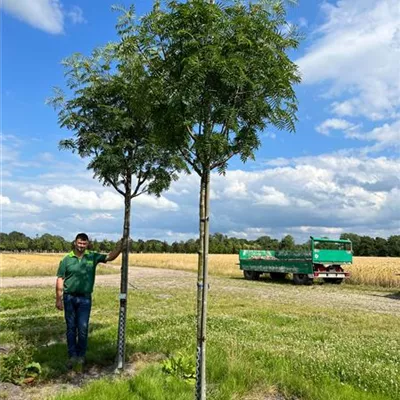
<point x="326" y="259"/>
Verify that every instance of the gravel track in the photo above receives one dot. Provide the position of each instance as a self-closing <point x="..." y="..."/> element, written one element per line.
<point x="344" y="297"/>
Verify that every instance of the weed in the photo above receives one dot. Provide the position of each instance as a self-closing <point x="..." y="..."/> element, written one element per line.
<point x="17" y="366"/>
<point x="181" y="366"/>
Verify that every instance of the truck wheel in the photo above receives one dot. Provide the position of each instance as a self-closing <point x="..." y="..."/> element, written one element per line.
<point x="277" y="276"/>
<point x="302" y="279"/>
<point x="251" y="275"/>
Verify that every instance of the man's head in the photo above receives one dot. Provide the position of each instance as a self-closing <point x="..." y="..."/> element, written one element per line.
<point x="81" y="242"/>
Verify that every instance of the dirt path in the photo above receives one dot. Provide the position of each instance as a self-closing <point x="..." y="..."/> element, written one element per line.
<point x="343" y="297"/>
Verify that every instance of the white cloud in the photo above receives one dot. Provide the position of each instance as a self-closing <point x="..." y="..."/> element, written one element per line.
<point x="334" y="124"/>
<point x="4" y="200"/>
<point x="33" y="195"/>
<point x="93" y="217"/>
<point x="313" y="229"/>
<point x="15" y="207"/>
<point x="236" y="189"/>
<point x="320" y="195"/>
<point x="250" y="233"/>
<point x="158" y="203"/>
<point x="76" y="15"/>
<point x="357" y="50"/>
<point x="385" y="136"/>
<point x="270" y="196"/>
<point x="46" y="15"/>
<point x="68" y="196"/>
<point x="332" y="193"/>
<point x="103" y="216"/>
<point x="32" y="227"/>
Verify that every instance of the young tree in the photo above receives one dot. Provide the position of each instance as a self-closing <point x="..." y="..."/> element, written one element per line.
<point x="109" y="111"/>
<point x="225" y="75"/>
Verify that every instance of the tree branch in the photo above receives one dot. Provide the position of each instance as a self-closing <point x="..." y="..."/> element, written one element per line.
<point x="115" y="186"/>
<point x="220" y="163"/>
<point x="141" y="179"/>
<point x="138" y="194"/>
<point x="191" y="134"/>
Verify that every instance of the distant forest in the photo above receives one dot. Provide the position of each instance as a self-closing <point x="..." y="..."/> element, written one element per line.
<point x="219" y="244"/>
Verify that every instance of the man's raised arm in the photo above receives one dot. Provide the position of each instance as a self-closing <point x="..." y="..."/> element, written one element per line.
<point x="116" y="252"/>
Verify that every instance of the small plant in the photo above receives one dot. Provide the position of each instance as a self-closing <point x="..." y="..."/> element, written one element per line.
<point x="180" y="366"/>
<point x="17" y="366"/>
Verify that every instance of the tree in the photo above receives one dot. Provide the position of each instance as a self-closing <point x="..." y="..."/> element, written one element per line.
<point x="381" y="247"/>
<point x="267" y="243"/>
<point x="287" y="243"/>
<point x="225" y="75"/>
<point x="366" y="246"/>
<point x="355" y="241"/>
<point x="109" y="112"/>
<point x="393" y="244"/>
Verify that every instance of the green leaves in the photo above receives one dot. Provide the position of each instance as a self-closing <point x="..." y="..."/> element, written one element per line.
<point x="180" y="366"/>
<point x="224" y="73"/>
<point x="110" y="112"/>
<point x="17" y="366"/>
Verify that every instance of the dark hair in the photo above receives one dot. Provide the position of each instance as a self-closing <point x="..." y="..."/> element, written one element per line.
<point x="82" y="236"/>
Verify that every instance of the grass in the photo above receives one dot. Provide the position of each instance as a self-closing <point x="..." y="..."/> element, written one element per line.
<point x="372" y="271"/>
<point x="256" y="345"/>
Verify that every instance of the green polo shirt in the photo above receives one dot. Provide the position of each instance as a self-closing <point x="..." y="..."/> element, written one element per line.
<point x="79" y="273"/>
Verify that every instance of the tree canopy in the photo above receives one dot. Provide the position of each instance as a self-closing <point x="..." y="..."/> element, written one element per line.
<point x="219" y="244"/>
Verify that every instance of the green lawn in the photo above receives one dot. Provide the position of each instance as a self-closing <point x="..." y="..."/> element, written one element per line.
<point x="312" y="352"/>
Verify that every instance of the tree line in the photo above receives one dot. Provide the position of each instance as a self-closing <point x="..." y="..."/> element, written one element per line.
<point x="219" y="244"/>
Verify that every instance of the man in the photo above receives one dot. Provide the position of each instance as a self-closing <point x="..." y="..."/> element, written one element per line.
<point x="74" y="287"/>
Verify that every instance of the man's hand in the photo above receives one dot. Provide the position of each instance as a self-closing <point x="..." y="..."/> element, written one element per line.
<point x="121" y="243"/>
<point x="118" y="249"/>
<point x="59" y="304"/>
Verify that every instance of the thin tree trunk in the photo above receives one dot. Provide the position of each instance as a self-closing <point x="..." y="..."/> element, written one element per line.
<point x="199" y="353"/>
<point x="202" y="287"/>
<point x="123" y="296"/>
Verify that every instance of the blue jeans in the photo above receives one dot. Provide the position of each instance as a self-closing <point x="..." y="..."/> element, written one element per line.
<point x="77" y="313"/>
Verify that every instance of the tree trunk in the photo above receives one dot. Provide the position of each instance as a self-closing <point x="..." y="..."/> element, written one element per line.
<point x="202" y="286"/>
<point x="123" y="296"/>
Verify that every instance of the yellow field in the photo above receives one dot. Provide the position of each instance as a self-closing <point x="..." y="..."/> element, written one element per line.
<point x="32" y="264"/>
<point x="376" y="271"/>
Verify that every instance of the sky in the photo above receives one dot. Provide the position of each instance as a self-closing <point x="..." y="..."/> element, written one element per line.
<point x="340" y="171"/>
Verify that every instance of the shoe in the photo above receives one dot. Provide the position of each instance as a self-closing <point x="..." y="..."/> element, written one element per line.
<point x="71" y="362"/>
<point x="80" y="360"/>
<point x="78" y="367"/>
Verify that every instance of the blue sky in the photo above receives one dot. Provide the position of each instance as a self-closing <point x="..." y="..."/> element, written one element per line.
<point x="338" y="173"/>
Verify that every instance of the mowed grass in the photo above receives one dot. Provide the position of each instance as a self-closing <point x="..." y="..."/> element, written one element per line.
<point x="374" y="271"/>
<point x="256" y="345"/>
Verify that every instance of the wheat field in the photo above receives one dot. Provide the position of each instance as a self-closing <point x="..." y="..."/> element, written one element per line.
<point x="37" y="264"/>
<point x="375" y="271"/>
